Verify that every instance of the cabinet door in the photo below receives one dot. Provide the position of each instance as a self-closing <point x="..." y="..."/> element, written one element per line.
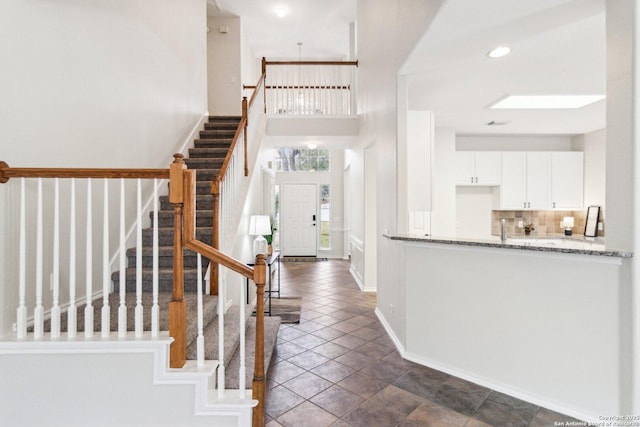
<point x="567" y="180"/>
<point x="464" y="168"/>
<point x="513" y="180"/>
<point x="538" y="180"/>
<point x="487" y="168"/>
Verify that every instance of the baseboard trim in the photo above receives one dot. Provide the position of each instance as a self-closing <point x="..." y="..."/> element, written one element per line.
<point x="485" y="382"/>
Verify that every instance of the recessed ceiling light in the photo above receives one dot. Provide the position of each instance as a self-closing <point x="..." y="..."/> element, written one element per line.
<point x="499" y="52"/>
<point x="281" y="11"/>
<point x="312" y="146"/>
<point x="545" y="102"/>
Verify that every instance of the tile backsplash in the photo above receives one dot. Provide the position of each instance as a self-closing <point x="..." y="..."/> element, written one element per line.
<point x="544" y="222"/>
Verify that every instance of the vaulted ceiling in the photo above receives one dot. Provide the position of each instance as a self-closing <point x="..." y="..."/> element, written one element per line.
<point x="558" y="47"/>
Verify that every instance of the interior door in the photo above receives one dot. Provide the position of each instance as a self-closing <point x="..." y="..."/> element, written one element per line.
<point x="298" y="222"/>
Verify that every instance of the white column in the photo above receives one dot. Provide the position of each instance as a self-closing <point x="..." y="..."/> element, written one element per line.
<point x="139" y="310"/>
<point x="22" y="281"/>
<point x="155" y="309"/>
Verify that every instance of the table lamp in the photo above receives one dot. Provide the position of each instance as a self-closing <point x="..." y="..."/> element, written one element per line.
<point x="568" y="224"/>
<point x="260" y="226"/>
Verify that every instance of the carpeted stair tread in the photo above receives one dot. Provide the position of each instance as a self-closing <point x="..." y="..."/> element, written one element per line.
<point x="217" y="134"/>
<point x="222" y="125"/>
<point x="204" y="217"/>
<point x="213" y="143"/>
<point x="204" y="162"/>
<point x="165" y="279"/>
<point x="203" y="202"/>
<point x="165" y="235"/>
<point x="209" y="153"/>
<point x="165" y="257"/>
<point x="231" y="335"/>
<point x="209" y="313"/>
<point x="271" y="326"/>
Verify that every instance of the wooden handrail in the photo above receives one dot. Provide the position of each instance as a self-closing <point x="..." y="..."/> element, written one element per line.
<point x="256" y="87"/>
<point x="7" y="172"/>
<point x="217" y="256"/>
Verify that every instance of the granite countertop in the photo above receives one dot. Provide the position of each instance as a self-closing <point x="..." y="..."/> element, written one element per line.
<point x="550" y="243"/>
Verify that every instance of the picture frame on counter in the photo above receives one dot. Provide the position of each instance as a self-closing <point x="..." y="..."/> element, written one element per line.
<point x="591" y="225"/>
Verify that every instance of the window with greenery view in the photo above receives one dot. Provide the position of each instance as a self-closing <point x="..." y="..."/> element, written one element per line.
<point x="325" y="216"/>
<point x="301" y="159"/>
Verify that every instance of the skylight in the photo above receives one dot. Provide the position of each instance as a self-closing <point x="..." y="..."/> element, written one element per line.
<point x="545" y="102"/>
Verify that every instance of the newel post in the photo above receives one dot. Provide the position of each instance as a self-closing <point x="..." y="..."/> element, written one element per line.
<point x="259" y="386"/>
<point x="177" y="306"/>
<point x="245" y="116"/>
<point x="215" y="237"/>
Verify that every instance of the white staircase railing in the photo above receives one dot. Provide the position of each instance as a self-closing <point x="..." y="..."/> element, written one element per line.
<point x="310" y="87"/>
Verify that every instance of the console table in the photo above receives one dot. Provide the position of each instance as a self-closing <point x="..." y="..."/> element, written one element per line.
<point x="270" y="260"/>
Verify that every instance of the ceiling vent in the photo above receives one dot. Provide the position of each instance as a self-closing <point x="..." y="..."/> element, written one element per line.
<point x="213" y="6"/>
<point x="494" y="123"/>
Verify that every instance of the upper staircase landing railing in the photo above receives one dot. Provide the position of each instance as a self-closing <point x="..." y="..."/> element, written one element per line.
<point x="310" y="87"/>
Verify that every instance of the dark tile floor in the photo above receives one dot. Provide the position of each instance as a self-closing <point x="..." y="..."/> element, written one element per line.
<point x="338" y="367"/>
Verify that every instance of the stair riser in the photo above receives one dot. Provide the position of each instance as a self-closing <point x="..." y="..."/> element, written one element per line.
<point x="203" y="202"/>
<point x="229" y="126"/>
<point x="165" y="284"/>
<point x="204" y="163"/>
<point x="167" y="261"/>
<point x="165" y="236"/>
<point x="209" y="153"/>
<point x="212" y="143"/>
<point x="217" y="134"/>
<point x="201" y="220"/>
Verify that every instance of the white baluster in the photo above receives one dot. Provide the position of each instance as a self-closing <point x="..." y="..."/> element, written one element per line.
<point x="155" y="309"/>
<point x="122" y="308"/>
<point x="38" y="314"/>
<point x="88" y="310"/>
<point x="242" y="371"/>
<point x="106" y="271"/>
<point x="55" y="309"/>
<point x="72" y="313"/>
<point x="200" y="340"/>
<point x="139" y="312"/>
<point x="221" y="368"/>
<point x="22" y="308"/>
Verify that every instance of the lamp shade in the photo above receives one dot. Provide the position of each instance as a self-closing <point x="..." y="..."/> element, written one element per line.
<point x="260" y="225"/>
<point x="568" y="221"/>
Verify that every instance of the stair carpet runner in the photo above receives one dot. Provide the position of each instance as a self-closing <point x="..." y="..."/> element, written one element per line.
<point x="206" y="157"/>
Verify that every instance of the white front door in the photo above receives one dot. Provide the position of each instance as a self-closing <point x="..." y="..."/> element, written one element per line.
<point x="298" y="222"/>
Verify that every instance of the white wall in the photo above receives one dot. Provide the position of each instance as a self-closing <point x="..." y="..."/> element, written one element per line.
<point x="473" y="211"/>
<point x="594" y="146"/>
<point x="224" y="66"/>
<point x="381" y="55"/>
<point x="95" y="84"/>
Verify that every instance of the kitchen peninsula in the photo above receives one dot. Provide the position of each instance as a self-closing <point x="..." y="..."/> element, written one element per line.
<point x="544" y="322"/>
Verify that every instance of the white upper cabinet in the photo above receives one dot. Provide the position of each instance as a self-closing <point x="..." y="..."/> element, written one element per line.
<point x="567" y="176"/>
<point x="538" y="180"/>
<point x="477" y="168"/>
<point x="541" y="180"/>
<point x="513" y="187"/>
<point x="525" y="180"/>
